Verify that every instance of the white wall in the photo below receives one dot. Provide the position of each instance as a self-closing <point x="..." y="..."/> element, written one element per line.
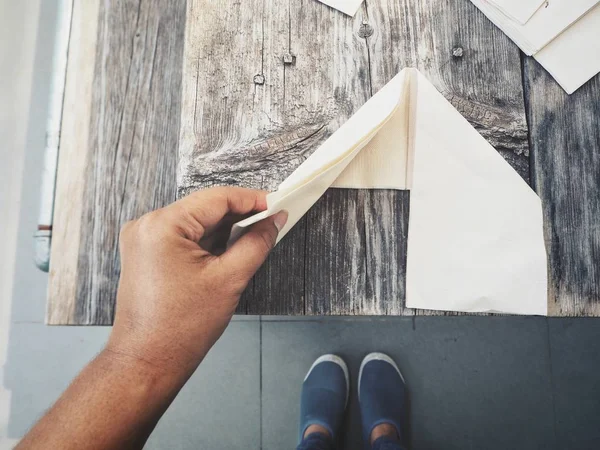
<point x="18" y="33"/>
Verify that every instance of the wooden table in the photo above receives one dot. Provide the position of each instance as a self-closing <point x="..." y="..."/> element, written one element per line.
<point x="247" y="90"/>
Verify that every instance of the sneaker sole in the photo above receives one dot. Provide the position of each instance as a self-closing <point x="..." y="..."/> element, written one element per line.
<point x="336" y="360"/>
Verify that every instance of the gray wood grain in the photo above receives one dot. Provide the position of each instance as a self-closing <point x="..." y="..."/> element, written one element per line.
<point x="565" y="145"/>
<point x="133" y="138"/>
<point x="72" y="159"/>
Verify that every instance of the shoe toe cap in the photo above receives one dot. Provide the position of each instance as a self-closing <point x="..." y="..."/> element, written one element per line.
<point x="329" y="376"/>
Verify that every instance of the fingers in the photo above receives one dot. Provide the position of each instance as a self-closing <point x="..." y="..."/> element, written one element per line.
<point x="204" y="209"/>
<point x="250" y="251"/>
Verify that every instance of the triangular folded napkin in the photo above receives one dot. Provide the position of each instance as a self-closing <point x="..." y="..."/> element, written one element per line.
<point x="348" y="7"/>
<point x="475" y="236"/>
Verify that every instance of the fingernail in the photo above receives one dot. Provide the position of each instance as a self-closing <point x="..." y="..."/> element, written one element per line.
<point x="280" y="219"/>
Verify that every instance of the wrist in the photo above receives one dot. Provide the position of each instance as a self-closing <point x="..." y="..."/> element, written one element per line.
<point x="144" y="368"/>
<point x="162" y="352"/>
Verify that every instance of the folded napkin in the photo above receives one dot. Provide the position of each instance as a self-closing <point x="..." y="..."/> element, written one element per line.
<point x="518" y="10"/>
<point x="546" y="24"/>
<point x="475" y="237"/>
<point x="346" y="6"/>
<point x="574" y="56"/>
<point x="562" y="35"/>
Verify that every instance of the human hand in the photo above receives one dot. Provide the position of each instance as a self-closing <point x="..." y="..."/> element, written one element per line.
<point x="175" y="297"/>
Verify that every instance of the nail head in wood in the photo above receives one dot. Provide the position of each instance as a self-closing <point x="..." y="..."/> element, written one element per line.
<point x="457" y="52"/>
<point x="288" y="58"/>
<point x="259" y="79"/>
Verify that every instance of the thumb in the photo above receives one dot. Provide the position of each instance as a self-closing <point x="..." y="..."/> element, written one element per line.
<point x="251" y="250"/>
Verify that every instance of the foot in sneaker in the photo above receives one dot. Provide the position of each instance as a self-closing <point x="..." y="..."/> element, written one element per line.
<point x="382" y="398"/>
<point x="324" y="397"/>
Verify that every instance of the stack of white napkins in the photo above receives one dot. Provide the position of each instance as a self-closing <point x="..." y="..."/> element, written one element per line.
<point x="475" y="237"/>
<point x="563" y="35"/>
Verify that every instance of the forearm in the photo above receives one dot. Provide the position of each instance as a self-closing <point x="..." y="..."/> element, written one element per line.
<point x="175" y="299"/>
<point x="115" y="402"/>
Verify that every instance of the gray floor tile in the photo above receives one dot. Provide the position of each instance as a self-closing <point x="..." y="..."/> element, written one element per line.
<point x="474" y="382"/>
<point x="575" y="350"/>
<point x="220" y="405"/>
<point x="41" y="363"/>
<point x="245" y="318"/>
<point x="223" y="395"/>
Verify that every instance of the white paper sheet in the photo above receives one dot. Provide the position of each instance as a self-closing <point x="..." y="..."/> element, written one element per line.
<point x="546" y="24"/>
<point x="346" y="6"/>
<point x="519" y="10"/>
<point x="574" y="56"/>
<point x="475" y="237"/>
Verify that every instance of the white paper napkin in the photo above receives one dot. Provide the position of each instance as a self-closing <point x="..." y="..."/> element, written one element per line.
<point x="475" y="236"/>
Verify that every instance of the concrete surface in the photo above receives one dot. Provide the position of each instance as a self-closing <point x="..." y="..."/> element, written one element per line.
<point x="18" y="49"/>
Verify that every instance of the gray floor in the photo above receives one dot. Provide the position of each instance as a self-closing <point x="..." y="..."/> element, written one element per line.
<point x="474" y="382"/>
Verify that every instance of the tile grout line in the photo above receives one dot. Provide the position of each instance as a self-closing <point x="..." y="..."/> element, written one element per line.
<point x="552" y="387"/>
<point x="260" y="381"/>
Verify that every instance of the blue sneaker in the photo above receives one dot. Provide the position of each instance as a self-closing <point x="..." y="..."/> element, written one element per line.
<point x="324" y="395"/>
<point x="381" y="394"/>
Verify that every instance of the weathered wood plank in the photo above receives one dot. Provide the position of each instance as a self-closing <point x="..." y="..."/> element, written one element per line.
<point x="271" y="107"/>
<point x="64" y="276"/>
<point x="363" y="229"/>
<point x="234" y="126"/>
<point x="565" y="145"/>
<point x="279" y="283"/>
<point x="335" y="253"/>
<point x="356" y="253"/>
<point x="330" y="75"/>
<point x="131" y="142"/>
